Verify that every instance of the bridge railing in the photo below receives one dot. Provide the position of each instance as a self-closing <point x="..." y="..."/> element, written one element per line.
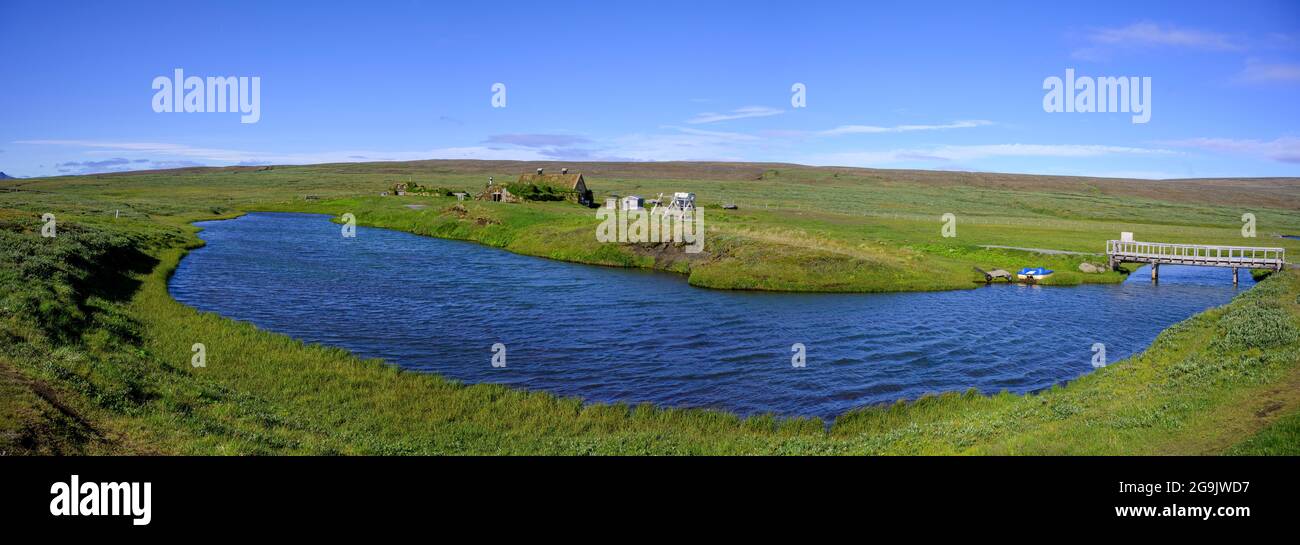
<point x="1195" y="252"/>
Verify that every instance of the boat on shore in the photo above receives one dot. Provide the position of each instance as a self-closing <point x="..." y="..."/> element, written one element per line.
<point x="1033" y="274"/>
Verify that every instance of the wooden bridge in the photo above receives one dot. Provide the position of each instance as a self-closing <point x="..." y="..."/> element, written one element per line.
<point x="1157" y="253"/>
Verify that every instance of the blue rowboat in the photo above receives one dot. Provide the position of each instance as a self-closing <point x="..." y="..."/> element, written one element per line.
<point x="1034" y="273"/>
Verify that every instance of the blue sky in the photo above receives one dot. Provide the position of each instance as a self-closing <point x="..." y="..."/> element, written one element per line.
<point x="890" y="85"/>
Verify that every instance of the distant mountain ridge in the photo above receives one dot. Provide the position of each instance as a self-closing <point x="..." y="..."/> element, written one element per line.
<point x="4" y="176"/>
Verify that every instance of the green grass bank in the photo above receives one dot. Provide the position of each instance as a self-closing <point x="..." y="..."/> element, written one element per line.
<point x="115" y="378"/>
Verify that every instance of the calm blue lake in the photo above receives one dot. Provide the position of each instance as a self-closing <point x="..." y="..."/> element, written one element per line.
<point x="608" y="334"/>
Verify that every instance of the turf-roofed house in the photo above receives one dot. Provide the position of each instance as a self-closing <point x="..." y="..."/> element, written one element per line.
<point x="541" y="186"/>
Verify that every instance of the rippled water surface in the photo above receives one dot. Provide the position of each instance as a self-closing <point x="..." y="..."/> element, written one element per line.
<point x="609" y="334"/>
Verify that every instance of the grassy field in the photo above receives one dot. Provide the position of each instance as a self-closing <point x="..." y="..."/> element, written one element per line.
<point x="797" y="228"/>
<point x="94" y="354"/>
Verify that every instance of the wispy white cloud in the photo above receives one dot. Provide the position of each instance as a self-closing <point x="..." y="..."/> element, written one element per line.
<point x="715" y="135"/>
<point x="1262" y="72"/>
<point x="1102" y="42"/>
<point x="872" y="129"/>
<point x="1285" y="149"/>
<point x="223" y="156"/>
<point x="682" y="145"/>
<point x="154" y="148"/>
<point x="673" y="144"/>
<point x="1152" y="34"/>
<point x="554" y="146"/>
<point x="537" y="140"/>
<point x="976" y="152"/>
<point x="738" y="113"/>
<point x="120" y="164"/>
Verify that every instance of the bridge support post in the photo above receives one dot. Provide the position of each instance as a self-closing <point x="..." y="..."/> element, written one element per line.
<point x="1234" y="276"/>
<point x="1155" y="272"/>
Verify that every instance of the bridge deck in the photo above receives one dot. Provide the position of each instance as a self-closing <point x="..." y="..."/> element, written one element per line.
<point x="1119" y="251"/>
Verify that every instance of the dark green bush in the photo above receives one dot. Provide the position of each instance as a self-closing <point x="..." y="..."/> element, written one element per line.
<point x="1262" y="325"/>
